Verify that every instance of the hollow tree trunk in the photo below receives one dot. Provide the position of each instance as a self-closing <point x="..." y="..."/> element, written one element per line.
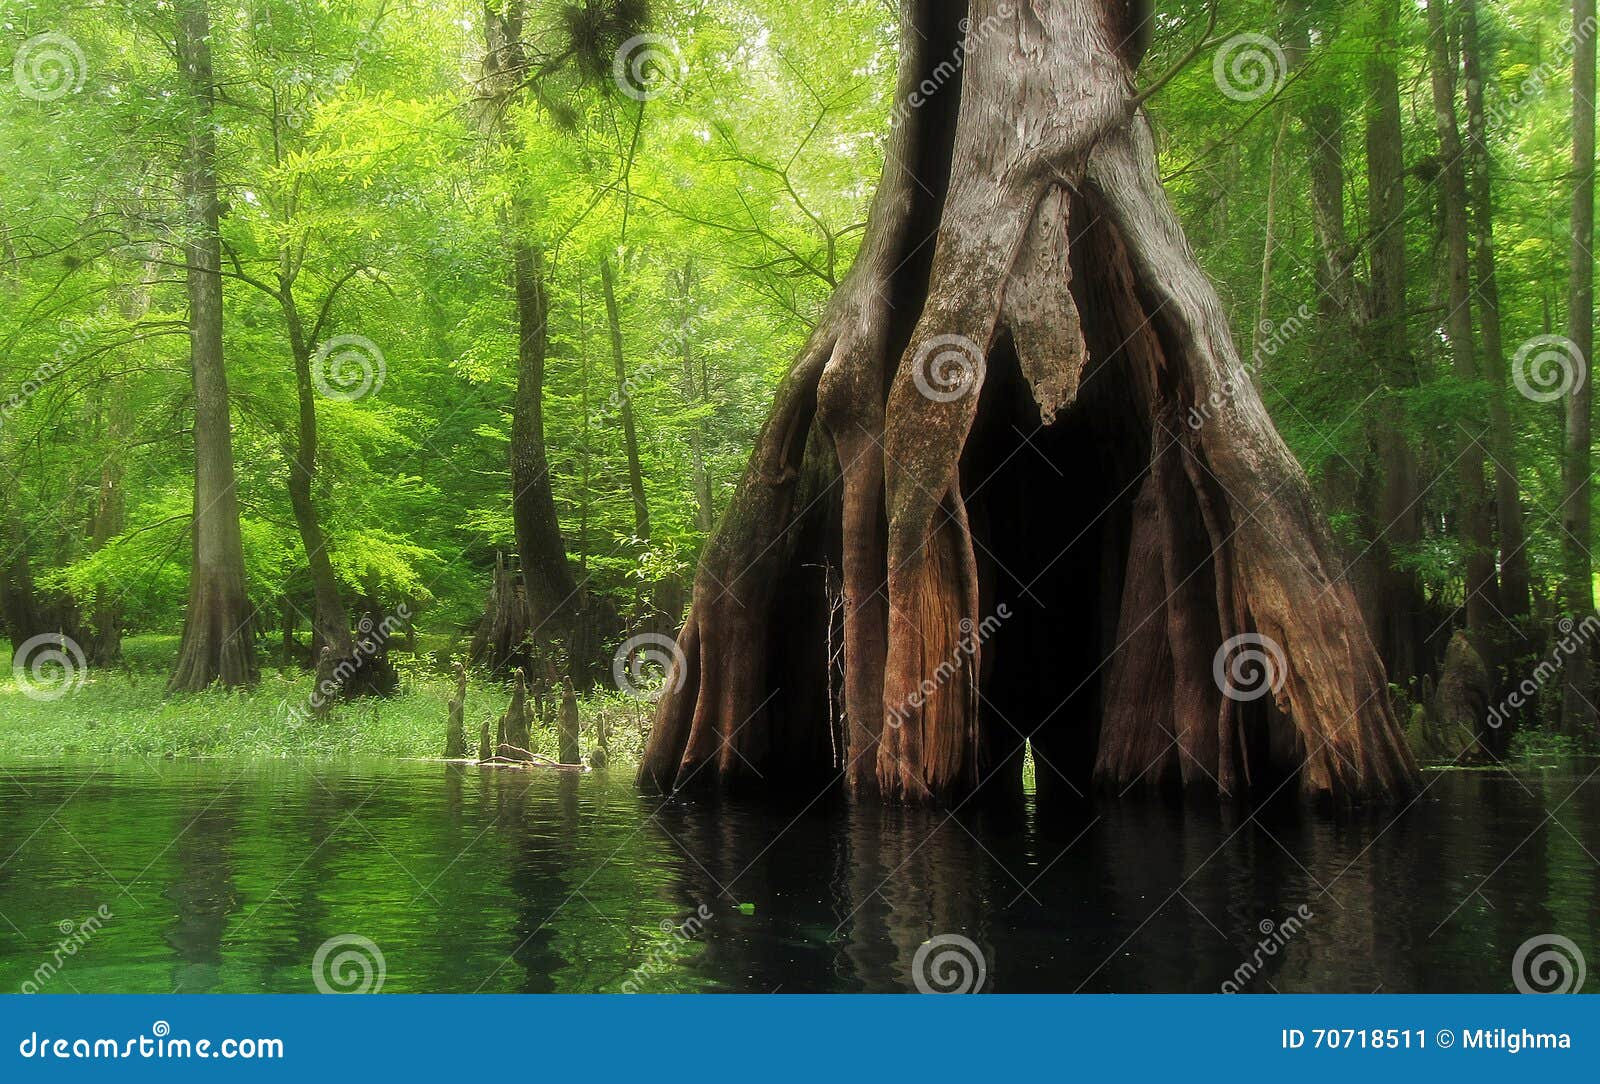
<point x="217" y="645"/>
<point x="1044" y="499"/>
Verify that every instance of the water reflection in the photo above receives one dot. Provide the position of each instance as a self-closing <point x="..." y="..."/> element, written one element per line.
<point x="228" y="878"/>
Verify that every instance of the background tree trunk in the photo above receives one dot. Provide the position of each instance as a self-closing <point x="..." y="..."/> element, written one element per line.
<point x="1472" y="507"/>
<point x="1398" y="519"/>
<point x="218" y="642"/>
<point x="1062" y="306"/>
<point x="630" y="435"/>
<point x="1578" y="715"/>
<point x="1515" y="592"/>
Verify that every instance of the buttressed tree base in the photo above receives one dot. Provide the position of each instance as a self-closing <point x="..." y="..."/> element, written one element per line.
<point x="1023" y="435"/>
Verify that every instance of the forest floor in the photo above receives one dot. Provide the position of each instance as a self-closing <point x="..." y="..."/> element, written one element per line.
<point x="126" y="711"/>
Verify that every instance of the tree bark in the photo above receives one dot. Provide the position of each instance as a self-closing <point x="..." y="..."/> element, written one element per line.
<point x="1472" y="505"/>
<point x="1578" y="715"/>
<point x="1059" y="302"/>
<point x="218" y="644"/>
<point x="705" y="512"/>
<point x="1401" y="631"/>
<point x="1515" y="590"/>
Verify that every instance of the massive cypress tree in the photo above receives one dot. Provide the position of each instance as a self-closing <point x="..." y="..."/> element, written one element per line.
<point x="992" y="433"/>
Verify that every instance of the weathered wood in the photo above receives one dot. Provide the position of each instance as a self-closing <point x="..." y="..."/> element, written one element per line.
<point x="1059" y="306"/>
<point x="567" y="735"/>
<point x="455" y="736"/>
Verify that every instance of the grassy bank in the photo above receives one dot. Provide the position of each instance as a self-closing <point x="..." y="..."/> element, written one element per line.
<point x="125" y="711"/>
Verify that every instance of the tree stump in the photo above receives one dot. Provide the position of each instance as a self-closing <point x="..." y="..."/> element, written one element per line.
<point x="567" y="735"/>
<point x="1001" y="422"/>
<point x="455" y="737"/>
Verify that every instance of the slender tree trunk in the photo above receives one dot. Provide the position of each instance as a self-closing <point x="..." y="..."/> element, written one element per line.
<point x="1515" y="593"/>
<point x="1269" y="239"/>
<point x="630" y="436"/>
<point x="1058" y="303"/>
<point x="1473" y="505"/>
<point x="705" y="514"/>
<point x="1398" y="518"/>
<point x="551" y="591"/>
<point x="1578" y="715"/>
<point x="330" y="619"/>
<point x="218" y="643"/>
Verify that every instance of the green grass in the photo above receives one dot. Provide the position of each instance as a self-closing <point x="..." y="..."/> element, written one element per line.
<point x="125" y="711"/>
